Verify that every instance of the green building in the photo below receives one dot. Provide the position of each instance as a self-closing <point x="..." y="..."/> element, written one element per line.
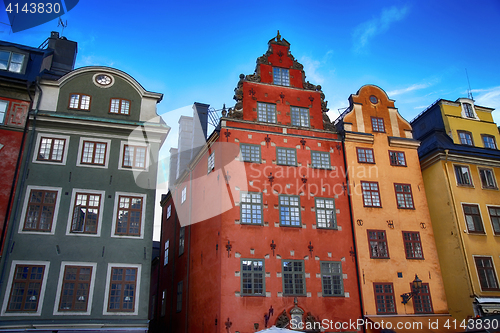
<point x="78" y="248"/>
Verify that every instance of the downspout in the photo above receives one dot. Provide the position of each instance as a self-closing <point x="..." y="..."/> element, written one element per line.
<point x="354" y="245"/>
<point x="14" y="180"/>
<point x="17" y="204"/>
<point x="174" y="259"/>
<point x="189" y="248"/>
<point x="446" y="151"/>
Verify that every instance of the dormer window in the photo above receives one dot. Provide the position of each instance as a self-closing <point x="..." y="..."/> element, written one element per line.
<point x="281" y="76"/>
<point x="468" y="110"/>
<point x="12" y="62"/>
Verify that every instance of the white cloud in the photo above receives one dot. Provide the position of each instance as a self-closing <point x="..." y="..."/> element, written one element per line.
<point x="312" y="66"/>
<point x="408" y="89"/>
<point x="488" y="97"/>
<point x="365" y="31"/>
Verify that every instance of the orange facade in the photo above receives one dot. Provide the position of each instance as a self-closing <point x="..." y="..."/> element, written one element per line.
<point x="393" y="231"/>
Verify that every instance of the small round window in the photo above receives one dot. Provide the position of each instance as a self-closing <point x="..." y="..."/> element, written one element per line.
<point x="373" y="99"/>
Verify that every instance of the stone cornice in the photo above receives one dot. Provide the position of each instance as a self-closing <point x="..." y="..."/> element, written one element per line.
<point x="359" y="137"/>
<point x="403" y="142"/>
<point x="463" y="159"/>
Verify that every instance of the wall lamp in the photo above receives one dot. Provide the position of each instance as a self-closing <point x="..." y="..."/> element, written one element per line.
<point x="416" y="286"/>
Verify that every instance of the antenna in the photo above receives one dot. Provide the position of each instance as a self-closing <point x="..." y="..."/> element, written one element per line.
<point x="62" y="24"/>
<point x="469" y="92"/>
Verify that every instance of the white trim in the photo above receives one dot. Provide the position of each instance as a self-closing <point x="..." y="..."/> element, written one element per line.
<point x="106" y="157"/>
<point x="137" y="290"/>
<point x="465" y="221"/>
<point x="72" y="206"/>
<point x="59" y="288"/>
<point x="470" y="176"/>
<point x="477" y="273"/>
<point x="468" y="101"/>
<point x="136" y="144"/>
<point x="94" y="80"/>
<point x="25" y="209"/>
<point x="9" y="288"/>
<point x="54" y="136"/>
<point x="115" y="214"/>
<point x="481" y="181"/>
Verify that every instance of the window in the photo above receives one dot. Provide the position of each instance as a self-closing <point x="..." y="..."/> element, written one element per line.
<point x="129" y="215"/>
<point x="463" y="175"/>
<point x="250" y="153"/>
<point x="169" y="211"/>
<point x="3" y="110"/>
<point x="122" y="289"/>
<point x="286" y="156"/>
<point x="465" y="138"/>
<point x="365" y="155"/>
<point x="422" y="302"/>
<point x="165" y="253"/>
<point x="40" y="210"/>
<point x="300" y="116"/>
<point x="179" y="297"/>
<point x="404" y="196"/>
<point x="325" y="213"/>
<point x="94" y="152"/>
<point x="163" y="302"/>
<point x="378" y="244"/>
<point x="51" y="149"/>
<point x="120" y="106"/>
<point x="397" y="158"/>
<point x="11" y="61"/>
<point x="26" y="288"/>
<point x="266" y="112"/>
<point x="384" y="298"/>
<point x="289" y="210"/>
<point x="320" y="159"/>
<point x="377" y="124"/>
<point x="413" y="246"/>
<point x="468" y="111"/>
<point x="486" y="273"/>
<point x="293" y="277"/>
<point x="489" y="141"/>
<point x="487" y="178"/>
<point x="473" y="218"/>
<point x="332" y="278"/>
<point x="371" y="194"/>
<point x="79" y="102"/>
<point x="211" y="162"/>
<point x="251" y="208"/>
<point x="182" y="234"/>
<point x="281" y="76"/>
<point x="252" y="277"/>
<point x="75" y="288"/>
<point x="495" y="219"/>
<point x="86" y="213"/>
<point x="183" y="195"/>
<point x="134" y="157"/>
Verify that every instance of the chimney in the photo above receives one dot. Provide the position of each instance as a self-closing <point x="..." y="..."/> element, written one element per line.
<point x="63" y="60"/>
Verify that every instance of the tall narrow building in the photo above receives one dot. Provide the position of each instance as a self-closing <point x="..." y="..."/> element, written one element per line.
<point x="80" y="234"/>
<point x="256" y="229"/>
<point x="394" y="234"/>
<point x="461" y="164"/>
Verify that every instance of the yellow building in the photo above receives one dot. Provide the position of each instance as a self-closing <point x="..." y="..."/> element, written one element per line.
<point x="394" y="236"/>
<point x="460" y="165"/>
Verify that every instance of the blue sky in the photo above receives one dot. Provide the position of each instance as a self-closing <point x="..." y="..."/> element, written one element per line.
<point x="194" y="51"/>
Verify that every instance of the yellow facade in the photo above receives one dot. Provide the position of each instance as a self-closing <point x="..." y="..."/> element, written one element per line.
<point x="461" y="201"/>
<point x="395" y="216"/>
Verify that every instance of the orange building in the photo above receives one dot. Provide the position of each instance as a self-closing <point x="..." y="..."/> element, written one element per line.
<point x="256" y="230"/>
<point x="393" y="231"/>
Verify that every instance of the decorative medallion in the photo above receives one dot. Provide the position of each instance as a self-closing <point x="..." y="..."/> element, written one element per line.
<point x="373" y="99"/>
<point x="103" y="80"/>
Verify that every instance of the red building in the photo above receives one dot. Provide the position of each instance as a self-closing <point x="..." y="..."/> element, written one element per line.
<point x="256" y="229"/>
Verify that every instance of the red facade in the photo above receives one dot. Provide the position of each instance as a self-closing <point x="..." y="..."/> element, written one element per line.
<point x="267" y="233"/>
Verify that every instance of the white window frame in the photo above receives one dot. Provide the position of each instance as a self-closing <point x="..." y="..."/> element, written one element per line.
<point x="122" y="155"/>
<point x="183" y="195"/>
<point x="23" y="63"/>
<point x="137" y="289"/>
<point x="477" y="272"/>
<point x="115" y="214"/>
<point x="59" y="288"/>
<point x="211" y="162"/>
<point x="25" y="207"/>
<point x="165" y="252"/>
<point x="3" y="113"/>
<point x="52" y="136"/>
<point x="463" y="101"/>
<point x="169" y="211"/>
<point x="494" y="186"/>
<point x="473" y="232"/>
<point x="470" y="175"/>
<point x="9" y="288"/>
<point x="72" y="207"/>
<point x="106" y="158"/>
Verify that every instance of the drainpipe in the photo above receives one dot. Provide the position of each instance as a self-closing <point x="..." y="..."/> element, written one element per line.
<point x="189" y="247"/>
<point x="17" y="202"/>
<point x="455" y="208"/>
<point x="353" y="230"/>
